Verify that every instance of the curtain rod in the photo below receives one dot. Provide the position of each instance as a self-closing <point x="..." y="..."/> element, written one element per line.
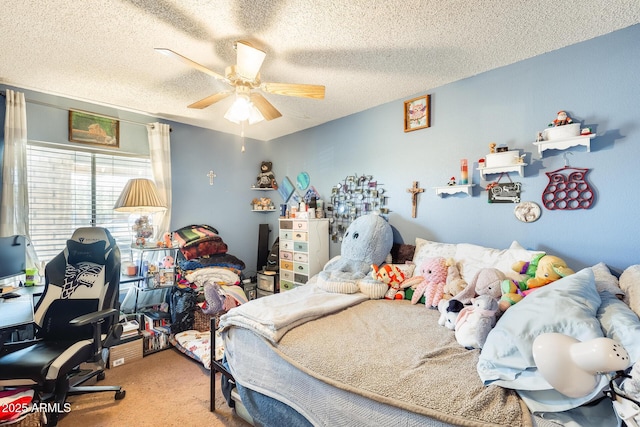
<point x="61" y="108"/>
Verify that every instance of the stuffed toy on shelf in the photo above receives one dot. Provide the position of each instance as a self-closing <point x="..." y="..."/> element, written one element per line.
<point x="266" y="177"/>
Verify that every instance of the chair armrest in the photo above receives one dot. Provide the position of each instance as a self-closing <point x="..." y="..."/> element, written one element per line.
<point x="87" y="319"/>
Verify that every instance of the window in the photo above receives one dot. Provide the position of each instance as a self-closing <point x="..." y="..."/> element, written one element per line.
<point x="71" y="188"/>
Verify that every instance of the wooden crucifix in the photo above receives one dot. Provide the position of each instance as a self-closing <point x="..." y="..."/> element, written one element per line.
<point x="211" y="175"/>
<point x="415" y="190"/>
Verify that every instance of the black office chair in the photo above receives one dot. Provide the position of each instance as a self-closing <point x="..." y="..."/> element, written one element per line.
<point x="79" y="302"/>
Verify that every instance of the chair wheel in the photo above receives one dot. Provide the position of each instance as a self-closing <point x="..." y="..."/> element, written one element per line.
<point x="121" y="394"/>
<point x="101" y="376"/>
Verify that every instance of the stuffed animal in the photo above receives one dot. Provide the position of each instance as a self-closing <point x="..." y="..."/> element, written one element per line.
<point x="367" y="240"/>
<point x="455" y="283"/>
<point x="434" y="276"/>
<point x="449" y="310"/>
<point x="266" y="177"/>
<point x="474" y="322"/>
<point x="487" y="281"/>
<point x="540" y="271"/>
<point x="393" y="276"/>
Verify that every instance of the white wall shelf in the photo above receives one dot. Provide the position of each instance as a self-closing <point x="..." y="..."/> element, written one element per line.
<point x="516" y="167"/>
<point x="563" y="144"/>
<point x="453" y="189"/>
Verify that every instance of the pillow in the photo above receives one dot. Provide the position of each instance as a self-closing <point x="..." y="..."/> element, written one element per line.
<point x="605" y="281"/>
<point x="618" y="322"/>
<point x="401" y="253"/>
<point x="86" y="252"/>
<point x="472" y="258"/>
<point x="569" y="306"/>
<point x="407" y="269"/>
<point x="427" y="249"/>
<point x="630" y="284"/>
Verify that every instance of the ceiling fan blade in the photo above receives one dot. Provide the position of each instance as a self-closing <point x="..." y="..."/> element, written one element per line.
<point x="249" y="60"/>
<point x="267" y="110"/>
<point x="170" y="53"/>
<point x="293" y="89"/>
<point x="204" y="103"/>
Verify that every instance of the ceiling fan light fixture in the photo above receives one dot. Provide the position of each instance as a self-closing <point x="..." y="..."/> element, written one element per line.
<point x="242" y="110"/>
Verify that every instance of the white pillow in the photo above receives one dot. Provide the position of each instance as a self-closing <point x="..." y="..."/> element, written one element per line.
<point x="605" y="281"/>
<point x="630" y="284"/>
<point x="472" y="258"/>
<point x="428" y="249"/>
<point x="407" y="269"/>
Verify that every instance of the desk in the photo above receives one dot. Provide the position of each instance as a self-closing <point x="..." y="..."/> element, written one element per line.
<point x="18" y="312"/>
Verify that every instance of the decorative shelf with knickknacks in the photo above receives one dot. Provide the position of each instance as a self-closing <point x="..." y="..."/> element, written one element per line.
<point x="453" y="187"/>
<point x="266" y="181"/>
<point x="562" y="134"/>
<point x="501" y="160"/>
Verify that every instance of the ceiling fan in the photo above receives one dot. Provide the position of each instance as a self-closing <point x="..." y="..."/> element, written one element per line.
<point x="244" y="77"/>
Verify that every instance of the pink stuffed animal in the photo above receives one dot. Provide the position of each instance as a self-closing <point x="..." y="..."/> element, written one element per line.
<point x="434" y="276"/>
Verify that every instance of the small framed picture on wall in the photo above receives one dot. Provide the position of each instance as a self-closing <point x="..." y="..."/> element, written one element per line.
<point x="417" y="113"/>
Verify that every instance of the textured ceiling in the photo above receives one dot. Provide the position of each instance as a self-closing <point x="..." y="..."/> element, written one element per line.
<point x="366" y="52"/>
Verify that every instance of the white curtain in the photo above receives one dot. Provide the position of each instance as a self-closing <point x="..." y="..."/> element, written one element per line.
<point x="14" y="206"/>
<point x="14" y="211"/>
<point x="160" y="154"/>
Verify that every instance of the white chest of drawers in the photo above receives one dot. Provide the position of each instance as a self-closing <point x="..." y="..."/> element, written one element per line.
<point x="304" y="250"/>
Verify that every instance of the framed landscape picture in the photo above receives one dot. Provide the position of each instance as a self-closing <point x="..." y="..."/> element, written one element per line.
<point x="417" y="113"/>
<point x="87" y="128"/>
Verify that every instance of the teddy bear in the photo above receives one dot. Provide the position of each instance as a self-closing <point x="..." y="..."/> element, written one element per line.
<point x="266" y="177"/>
<point x="474" y="322"/>
<point x="540" y="271"/>
<point x="455" y="283"/>
<point x="367" y="240"/>
<point x="393" y="276"/>
<point x="449" y="310"/>
<point x="486" y="281"/>
<point x="434" y="276"/>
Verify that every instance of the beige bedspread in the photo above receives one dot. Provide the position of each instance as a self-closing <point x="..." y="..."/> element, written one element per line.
<point x="396" y="353"/>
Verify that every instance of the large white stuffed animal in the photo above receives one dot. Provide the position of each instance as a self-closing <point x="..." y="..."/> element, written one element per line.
<point x="367" y="240"/>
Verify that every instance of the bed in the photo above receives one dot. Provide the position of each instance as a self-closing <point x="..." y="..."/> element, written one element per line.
<point x="309" y="357"/>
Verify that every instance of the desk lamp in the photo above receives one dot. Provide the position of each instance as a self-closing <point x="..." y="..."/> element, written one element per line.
<point x="140" y="198"/>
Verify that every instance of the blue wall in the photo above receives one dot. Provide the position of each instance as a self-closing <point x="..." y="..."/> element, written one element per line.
<point x="595" y="81"/>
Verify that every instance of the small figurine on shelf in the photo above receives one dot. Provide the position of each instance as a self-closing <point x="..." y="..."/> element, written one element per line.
<point x="266" y="177"/>
<point x="255" y="204"/>
<point x="481" y="163"/>
<point x="492" y="147"/>
<point x="452" y="181"/>
<point x="266" y="204"/>
<point x="562" y="119"/>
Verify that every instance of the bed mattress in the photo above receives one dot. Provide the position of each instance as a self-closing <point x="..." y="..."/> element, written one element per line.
<point x="332" y="384"/>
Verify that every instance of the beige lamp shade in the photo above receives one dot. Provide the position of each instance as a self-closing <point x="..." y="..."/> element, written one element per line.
<point x="139" y="195"/>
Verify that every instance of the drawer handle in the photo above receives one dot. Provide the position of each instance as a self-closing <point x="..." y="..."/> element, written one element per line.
<point x="300" y="225"/>
<point x="300" y="268"/>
